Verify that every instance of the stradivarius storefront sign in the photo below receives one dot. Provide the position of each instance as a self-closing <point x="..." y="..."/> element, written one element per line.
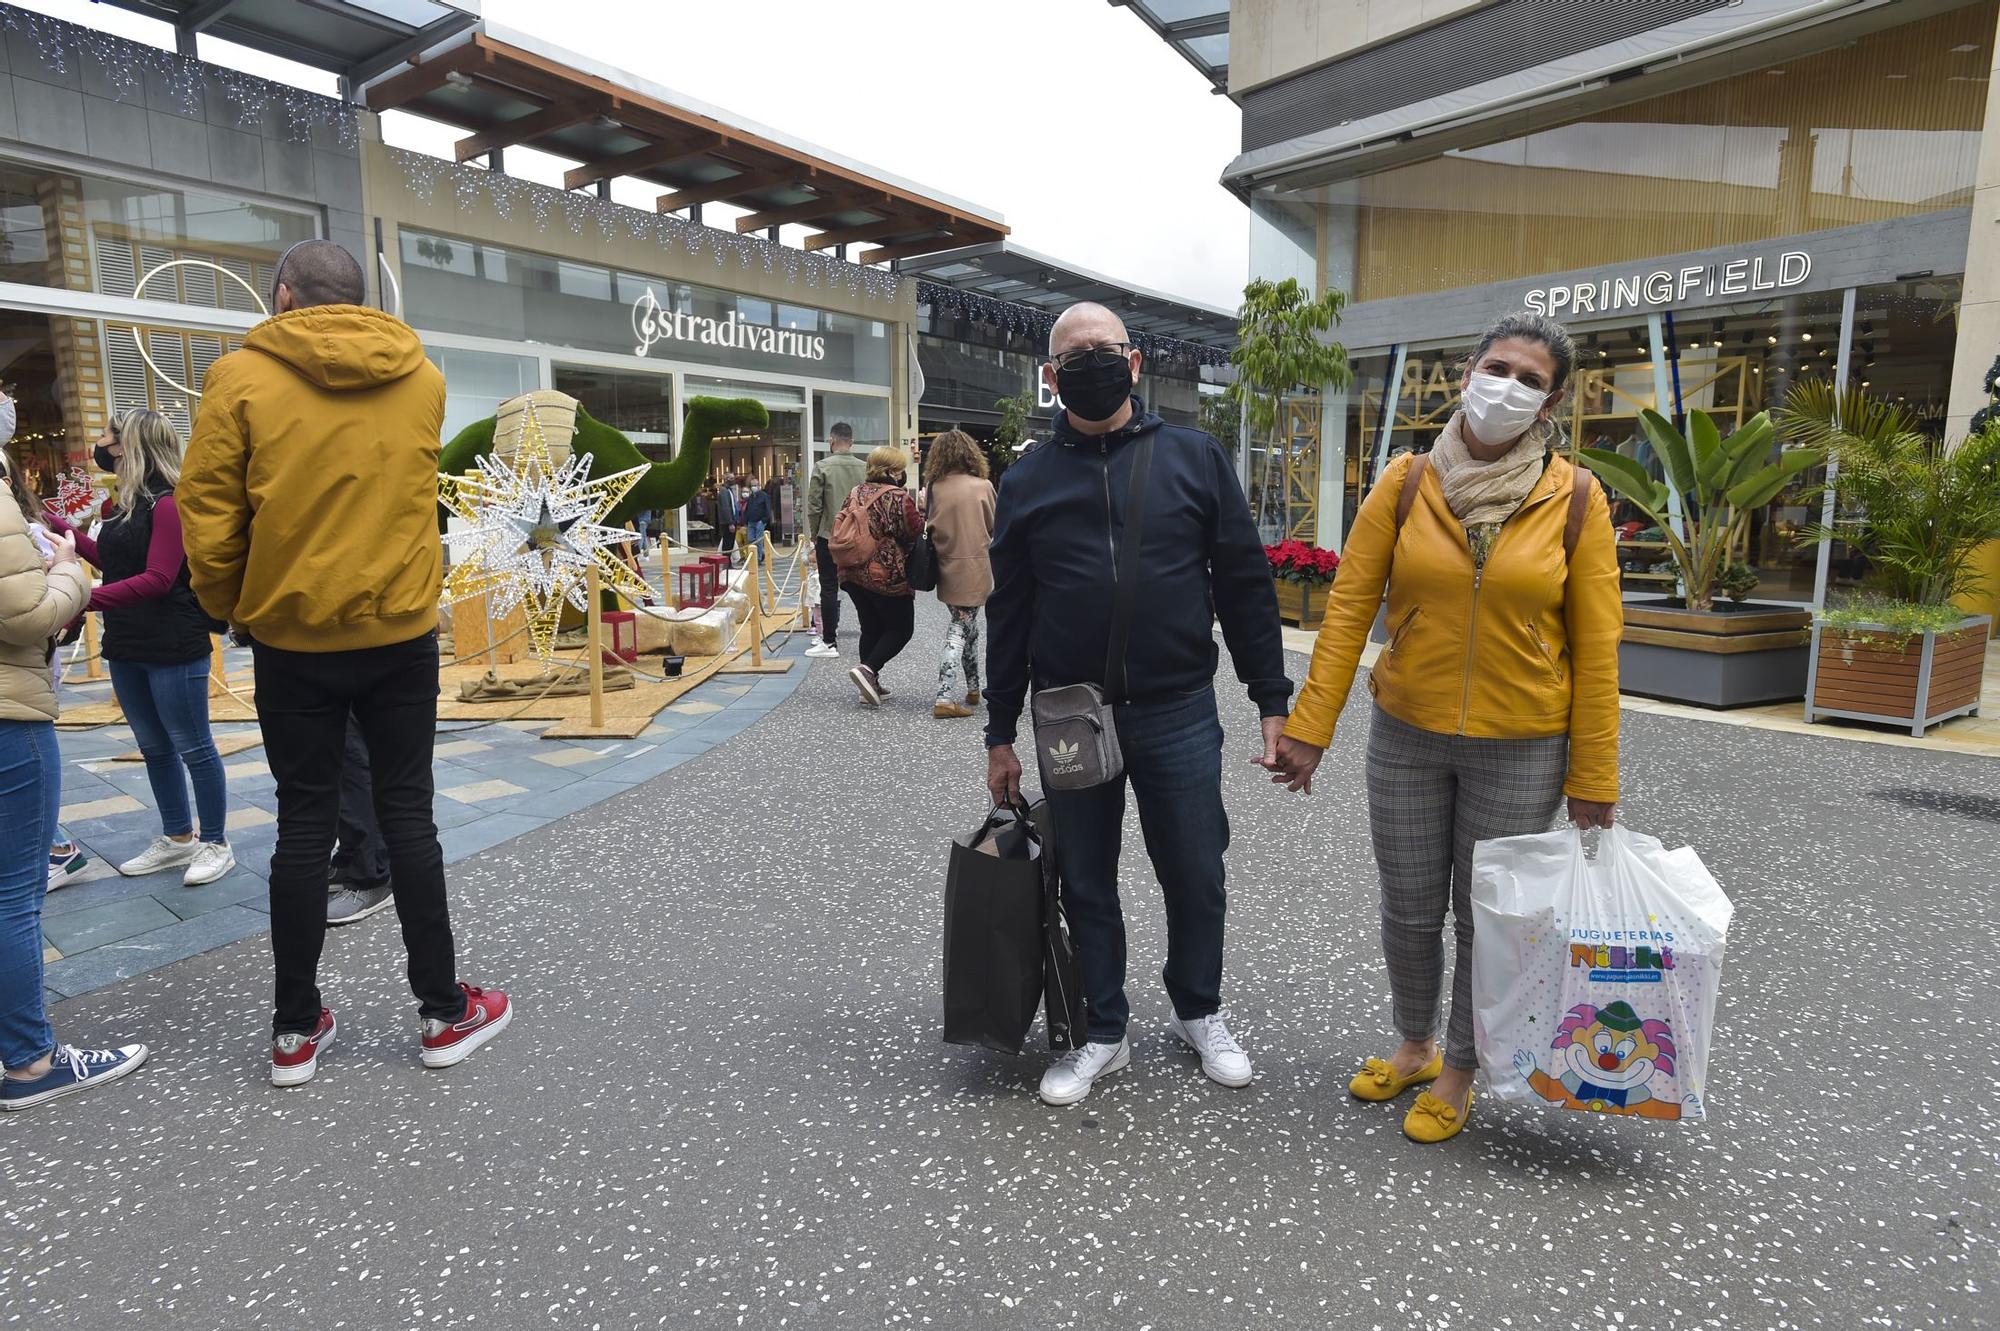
<point x="1674" y="286"/>
<point x="653" y="322"/>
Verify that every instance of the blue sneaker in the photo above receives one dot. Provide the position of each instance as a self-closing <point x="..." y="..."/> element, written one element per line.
<point x="66" y="864"/>
<point x="73" y="1070"/>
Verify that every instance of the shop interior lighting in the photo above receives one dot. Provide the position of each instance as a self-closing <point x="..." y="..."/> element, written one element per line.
<point x="1806" y="336"/>
<point x="1772" y="339"/>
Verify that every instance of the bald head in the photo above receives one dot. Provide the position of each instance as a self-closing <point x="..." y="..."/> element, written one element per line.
<point x="1085" y="324"/>
<point x="317" y="272"/>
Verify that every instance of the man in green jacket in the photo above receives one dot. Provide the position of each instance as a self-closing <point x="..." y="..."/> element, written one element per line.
<point x="832" y="481"/>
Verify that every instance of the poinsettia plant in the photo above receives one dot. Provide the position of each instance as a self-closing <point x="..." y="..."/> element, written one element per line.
<point x="1307" y="565"/>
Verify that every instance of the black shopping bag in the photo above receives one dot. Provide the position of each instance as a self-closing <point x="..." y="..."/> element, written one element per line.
<point x="1062" y="980"/>
<point x="993" y="934"/>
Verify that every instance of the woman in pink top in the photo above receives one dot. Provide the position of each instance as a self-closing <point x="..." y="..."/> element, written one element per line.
<point x="156" y="642"/>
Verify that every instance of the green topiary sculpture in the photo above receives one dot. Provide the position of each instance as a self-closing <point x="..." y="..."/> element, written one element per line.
<point x="665" y="486"/>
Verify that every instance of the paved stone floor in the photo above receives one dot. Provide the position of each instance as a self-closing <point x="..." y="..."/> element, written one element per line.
<point x="494" y="782"/>
<point x="725" y="1103"/>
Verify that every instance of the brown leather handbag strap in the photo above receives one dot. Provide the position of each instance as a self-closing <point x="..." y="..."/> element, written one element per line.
<point x="1413" y="479"/>
<point x="1579" y="504"/>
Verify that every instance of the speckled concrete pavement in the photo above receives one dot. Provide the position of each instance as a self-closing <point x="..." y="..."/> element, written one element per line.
<point x="725" y="1104"/>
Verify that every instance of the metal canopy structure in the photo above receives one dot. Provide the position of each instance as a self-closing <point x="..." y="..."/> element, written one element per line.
<point x="1198" y="29"/>
<point x="508" y="89"/>
<point x="356" y="39"/>
<point x="1006" y="271"/>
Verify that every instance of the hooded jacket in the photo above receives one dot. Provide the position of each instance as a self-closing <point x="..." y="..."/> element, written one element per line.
<point x="1059" y="520"/>
<point x="308" y="497"/>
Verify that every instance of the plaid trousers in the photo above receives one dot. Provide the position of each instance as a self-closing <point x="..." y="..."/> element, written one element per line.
<point x="1431" y="797"/>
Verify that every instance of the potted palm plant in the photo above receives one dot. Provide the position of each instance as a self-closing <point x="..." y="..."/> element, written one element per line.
<point x="1918" y="508"/>
<point x="1696" y="648"/>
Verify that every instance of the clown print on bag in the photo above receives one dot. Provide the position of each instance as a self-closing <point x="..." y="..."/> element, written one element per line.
<point x="1604" y="1059"/>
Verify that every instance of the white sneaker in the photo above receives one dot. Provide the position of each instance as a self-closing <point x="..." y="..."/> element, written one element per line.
<point x="1070" y="1077"/>
<point x="211" y="861"/>
<point x="164" y="853"/>
<point x="1221" y="1057"/>
<point x="822" y="649"/>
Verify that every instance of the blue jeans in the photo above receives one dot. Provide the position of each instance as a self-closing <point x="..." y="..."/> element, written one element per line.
<point x="30" y="769"/>
<point x="756" y="532"/>
<point x="167" y="707"/>
<point x="1173" y="761"/>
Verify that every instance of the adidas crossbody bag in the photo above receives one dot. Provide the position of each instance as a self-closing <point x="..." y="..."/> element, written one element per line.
<point x="1076" y="732"/>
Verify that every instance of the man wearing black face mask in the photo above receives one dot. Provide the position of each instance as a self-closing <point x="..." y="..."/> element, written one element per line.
<point x="1064" y="513"/>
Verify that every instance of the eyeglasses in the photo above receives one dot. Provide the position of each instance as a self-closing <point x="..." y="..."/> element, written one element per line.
<point x="1093" y="358"/>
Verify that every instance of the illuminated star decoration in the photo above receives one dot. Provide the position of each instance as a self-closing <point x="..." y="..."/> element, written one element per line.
<point x="532" y="531"/>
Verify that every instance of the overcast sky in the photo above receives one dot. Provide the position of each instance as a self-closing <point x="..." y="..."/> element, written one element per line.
<point x="1093" y="138"/>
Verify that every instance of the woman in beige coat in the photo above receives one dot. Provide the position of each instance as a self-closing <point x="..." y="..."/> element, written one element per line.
<point x="960" y="517"/>
<point x="42" y="588"/>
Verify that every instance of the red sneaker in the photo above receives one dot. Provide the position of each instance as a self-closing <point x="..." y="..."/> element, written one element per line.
<point x="295" y="1058"/>
<point x="487" y="1013"/>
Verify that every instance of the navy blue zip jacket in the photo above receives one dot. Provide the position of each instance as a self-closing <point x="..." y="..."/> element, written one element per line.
<point x="1061" y="515"/>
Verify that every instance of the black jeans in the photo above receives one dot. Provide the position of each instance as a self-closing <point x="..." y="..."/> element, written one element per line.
<point x="303" y="702"/>
<point x="360" y="857"/>
<point x="1173" y="761"/>
<point x="886" y="625"/>
<point x="829" y="591"/>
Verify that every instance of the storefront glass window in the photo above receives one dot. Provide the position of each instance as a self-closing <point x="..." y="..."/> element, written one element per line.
<point x="92" y="233"/>
<point x="639" y="404"/>
<point x="456" y="286"/>
<point x="477" y="382"/>
<point x="1884" y="127"/>
<point x="869" y="417"/>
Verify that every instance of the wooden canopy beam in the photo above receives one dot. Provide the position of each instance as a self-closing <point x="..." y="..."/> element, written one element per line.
<point x="422" y="78"/>
<point x="526" y="129"/>
<point x="893" y="224"/>
<point x="931" y="245"/>
<point x="733" y="187"/>
<point x="799" y="212"/>
<point x="648" y="158"/>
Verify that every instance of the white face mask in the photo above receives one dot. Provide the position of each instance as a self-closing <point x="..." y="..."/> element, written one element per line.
<point x="1498" y="409"/>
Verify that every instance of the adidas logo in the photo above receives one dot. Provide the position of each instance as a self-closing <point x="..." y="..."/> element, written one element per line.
<point x="1063" y="758"/>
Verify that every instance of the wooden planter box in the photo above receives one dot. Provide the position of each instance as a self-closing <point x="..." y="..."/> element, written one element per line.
<point x="1735" y="657"/>
<point x="1867" y="674"/>
<point x="1300" y="604"/>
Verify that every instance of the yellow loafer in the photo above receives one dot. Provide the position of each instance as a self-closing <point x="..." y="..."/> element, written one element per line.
<point x="1378" y="1081"/>
<point x="1432" y="1120"/>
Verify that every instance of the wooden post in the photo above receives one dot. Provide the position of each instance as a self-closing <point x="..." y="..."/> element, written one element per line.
<point x="595" y="622"/>
<point x="767" y="586"/>
<point x="94" y="668"/>
<point x="218" y="673"/>
<point x="756" y="610"/>
<point x="805" y="585"/>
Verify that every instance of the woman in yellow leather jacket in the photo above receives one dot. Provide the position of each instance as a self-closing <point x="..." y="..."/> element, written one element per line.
<point x="1497" y="695"/>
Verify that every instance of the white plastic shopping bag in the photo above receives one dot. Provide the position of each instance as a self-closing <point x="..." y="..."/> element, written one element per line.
<point x="1594" y="980"/>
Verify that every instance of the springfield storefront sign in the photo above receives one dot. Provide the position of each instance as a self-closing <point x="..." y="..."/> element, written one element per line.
<point x="652" y="323"/>
<point x="1669" y="286"/>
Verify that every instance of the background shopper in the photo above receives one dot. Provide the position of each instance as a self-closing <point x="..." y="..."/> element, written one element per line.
<point x="310" y="502"/>
<point x="880" y="587"/>
<point x="833" y="479"/>
<point x="959" y="504"/>
<point x="1497" y="694"/>
<point x="756" y="514"/>
<point x="39" y="593"/>
<point x="157" y="645"/>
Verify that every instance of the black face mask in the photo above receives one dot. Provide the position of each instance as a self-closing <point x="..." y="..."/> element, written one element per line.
<point x="1094" y="392"/>
<point x="102" y="457"/>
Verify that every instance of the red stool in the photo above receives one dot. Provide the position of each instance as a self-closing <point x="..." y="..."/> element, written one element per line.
<point x="693" y="585"/>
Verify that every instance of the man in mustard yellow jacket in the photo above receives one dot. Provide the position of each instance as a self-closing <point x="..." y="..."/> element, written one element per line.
<point x="308" y="505"/>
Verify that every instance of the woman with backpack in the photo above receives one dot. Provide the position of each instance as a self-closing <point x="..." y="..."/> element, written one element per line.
<point x="870" y="545"/>
<point x="958" y="508"/>
<point x="1497" y="695"/>
<point x="156" y="641"/>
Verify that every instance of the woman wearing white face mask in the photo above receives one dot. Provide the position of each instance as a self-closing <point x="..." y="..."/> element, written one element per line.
<point x="1497" y="695"/>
